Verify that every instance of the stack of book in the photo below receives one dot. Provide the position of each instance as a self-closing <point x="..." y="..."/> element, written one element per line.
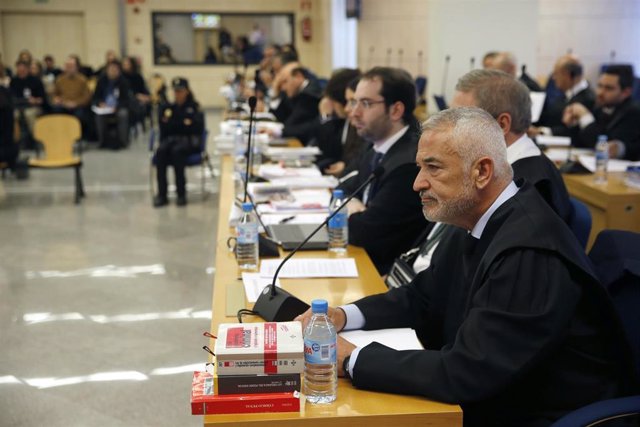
<point x="258" y="369"/>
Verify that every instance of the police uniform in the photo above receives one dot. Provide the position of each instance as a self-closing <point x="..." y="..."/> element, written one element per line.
<point x="181" y="130"/>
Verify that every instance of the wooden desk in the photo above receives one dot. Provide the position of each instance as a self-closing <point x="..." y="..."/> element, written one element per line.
<point x="353" y="407"/>
<point x="613" y="205"/>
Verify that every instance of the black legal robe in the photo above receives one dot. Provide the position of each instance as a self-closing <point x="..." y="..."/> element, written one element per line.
<point x="516" y="327"/>
<point x="540" y="172"/>
<point x="623" y="125"/>
<point x="302" y="122"/>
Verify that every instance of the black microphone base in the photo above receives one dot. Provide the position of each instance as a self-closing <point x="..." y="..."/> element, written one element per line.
<point x="282" y="307"/>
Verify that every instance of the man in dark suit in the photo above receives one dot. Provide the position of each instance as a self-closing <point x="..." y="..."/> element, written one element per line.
<point x="569" y="78"/>
<point x="508" y="101"/>
<point x="384" y="218"/>
<point x="302" y="97"/>
<point x="515" y="326"/>
<point x="617" y="116"/>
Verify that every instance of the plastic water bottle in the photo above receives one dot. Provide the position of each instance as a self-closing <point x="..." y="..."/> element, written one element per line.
<point x="602" y="159"/>
<point x="320" y="358"/>
<point x="338" y="226"/>
<point x="247" y="239"/>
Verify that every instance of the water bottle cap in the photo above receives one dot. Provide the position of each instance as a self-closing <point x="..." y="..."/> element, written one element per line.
<point x="319" y="306"/>
<point x="602" y="138"/>
<point x="338" y="193"/>
<point x="247" y="207"/>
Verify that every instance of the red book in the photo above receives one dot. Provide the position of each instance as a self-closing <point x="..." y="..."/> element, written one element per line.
<point x="203" y="401"/>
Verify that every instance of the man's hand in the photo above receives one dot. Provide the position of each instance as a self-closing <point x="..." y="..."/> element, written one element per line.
<point x="345" y="348"/>
<point x="355" y="206"/>
<point x="336" y="315"/>
<point x="572" y="114"/>
<point x="335" y="169"/>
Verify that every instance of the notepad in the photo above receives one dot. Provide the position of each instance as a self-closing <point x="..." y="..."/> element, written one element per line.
<point x="310" y="268"/>
<point x="397" y="338"/>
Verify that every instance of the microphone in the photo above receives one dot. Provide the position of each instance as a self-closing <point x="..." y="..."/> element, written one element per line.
<point x="446" y="71"/>
<point x="277" y="305"/>
<point x="252" y="108"/>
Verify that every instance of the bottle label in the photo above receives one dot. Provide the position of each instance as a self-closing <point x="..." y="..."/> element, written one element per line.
<point x="321" y="353"/>
<point x="247" y="233"/>
<point x="339" y="220"/>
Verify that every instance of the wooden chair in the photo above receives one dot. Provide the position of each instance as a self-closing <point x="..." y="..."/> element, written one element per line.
<point x="58" y="134"/>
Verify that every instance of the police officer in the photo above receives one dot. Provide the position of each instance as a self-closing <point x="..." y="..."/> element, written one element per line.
<point x="181" y="131"/>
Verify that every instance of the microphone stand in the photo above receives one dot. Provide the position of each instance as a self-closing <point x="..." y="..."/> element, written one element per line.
<point x="278" y="305"/>
<point x="252" y="107"/>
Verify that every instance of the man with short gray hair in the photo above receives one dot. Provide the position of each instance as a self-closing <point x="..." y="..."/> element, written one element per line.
<point x="515" y="326"/>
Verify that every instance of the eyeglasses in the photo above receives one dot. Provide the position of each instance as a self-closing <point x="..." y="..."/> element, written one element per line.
<point x="366" y="103"/>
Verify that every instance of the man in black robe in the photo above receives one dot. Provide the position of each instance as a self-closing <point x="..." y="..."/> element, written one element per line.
<point x="508" y="101"/>
<point x="515" y="326"/>
<point x="617" y="116"/>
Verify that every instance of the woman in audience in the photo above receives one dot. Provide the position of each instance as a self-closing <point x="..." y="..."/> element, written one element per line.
<point x="338" y="141"/>
<point x="181" y="133"/>
<point x="141" y="106"/>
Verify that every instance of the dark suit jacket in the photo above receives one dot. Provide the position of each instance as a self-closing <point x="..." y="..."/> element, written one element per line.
<point x="329" y="139"/>
<point x="125" y="95"/>
<point x="516" y="327"/>
<point x="303" y="122"/>
<point x="393" y="218"/>
<point x="551" y="115"/>
<point x="623" y="125"/>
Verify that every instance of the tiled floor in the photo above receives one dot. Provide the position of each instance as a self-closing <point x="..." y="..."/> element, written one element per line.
<point x="103" y="305"/>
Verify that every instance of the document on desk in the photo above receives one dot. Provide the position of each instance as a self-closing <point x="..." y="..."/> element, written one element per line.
<point x="254" y="284"/>
<point x="537" y="102"/>
<point x="398" y="338"/>
<point x="614" y="165"/>
<point x="553" y="141"/>
<point x="310" y="268"/>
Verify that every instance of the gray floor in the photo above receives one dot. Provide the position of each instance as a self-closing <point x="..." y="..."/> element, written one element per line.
<point x="103" y="305"/>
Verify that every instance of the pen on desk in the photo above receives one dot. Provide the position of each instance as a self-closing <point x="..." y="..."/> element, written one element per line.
<point x="287" y="219"/>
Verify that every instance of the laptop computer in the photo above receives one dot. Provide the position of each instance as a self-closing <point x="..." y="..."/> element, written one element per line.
<point x="289" y="236"/>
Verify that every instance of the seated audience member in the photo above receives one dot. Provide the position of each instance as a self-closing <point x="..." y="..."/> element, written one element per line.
<point x="384" y="218"/>
<point x="28" y="95"/>
<point x="515" y="326"/>
<point x="181" y="131"/>
<point x="141" y="102"/>
<point x="109" y="57"/>
<point x="508" y="102"/>
<point x="113" y="91"/>
<point x="569" y="78"/>
<point x="303" y="96"/>
<point x="5" y="78"/>
<point x="71" y="93"/>
<point x="488" y="58"/>
<point x="281" y="66"/>
<point x="336" y="138"/>
<point x="50" y="68"/>
<point x="25" y="56"/>
<point x="83" y="69"/>
<point x="506" y="61"/>
<point x="8" y="148"/>
<point x="616" y="116"/>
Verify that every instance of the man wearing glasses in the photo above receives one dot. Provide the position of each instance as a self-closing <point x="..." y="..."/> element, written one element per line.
<point x="385" y="218"/>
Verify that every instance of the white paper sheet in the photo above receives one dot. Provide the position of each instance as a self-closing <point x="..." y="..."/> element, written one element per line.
<point x="537" y="102"/>
<point x="553" y="141"/>
<point x="310" y="268"/>
<point x="399" y="338"/>
<point x="270" y="219"/>
<point x="614" y="165"/>
<point x="254" y="284"/>
<point x="271" y="171"/>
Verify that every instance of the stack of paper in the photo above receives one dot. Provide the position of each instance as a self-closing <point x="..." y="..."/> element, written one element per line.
<point x="272" y="171"/>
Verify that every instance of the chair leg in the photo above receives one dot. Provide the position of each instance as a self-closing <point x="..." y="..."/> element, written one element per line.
<point x="78" y="182"/>
<point x="213" y="172"/>
<point x="203" y="181"/>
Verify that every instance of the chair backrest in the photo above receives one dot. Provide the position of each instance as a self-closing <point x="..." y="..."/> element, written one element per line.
<point x="616" y="258"/>
<point x="580" y="221"/>
<point x="421" y="85"/>
<point x="440" y="102"/>
<point x="58" y="133"/>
